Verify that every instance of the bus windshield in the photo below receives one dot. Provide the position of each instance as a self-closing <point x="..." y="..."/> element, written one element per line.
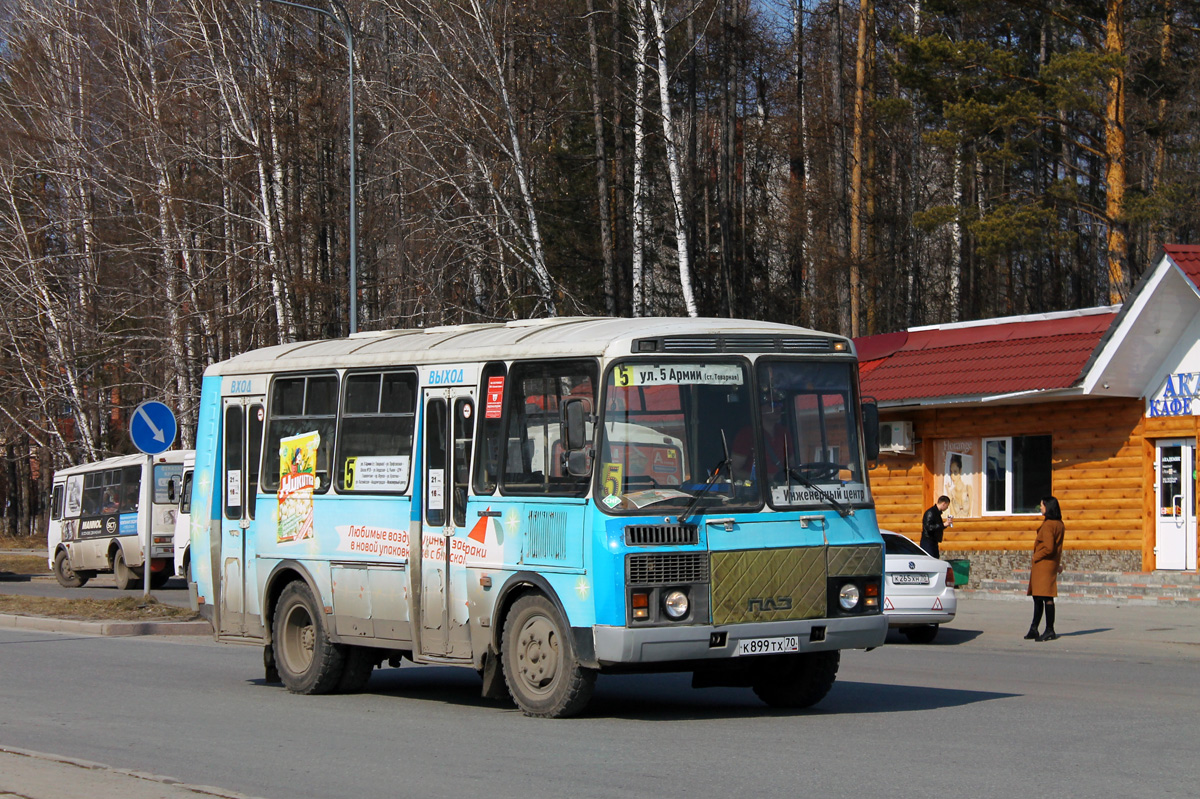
<point x="701" y="435"/>
<point x="670" y="434"/>
<point x="809" y="433"/>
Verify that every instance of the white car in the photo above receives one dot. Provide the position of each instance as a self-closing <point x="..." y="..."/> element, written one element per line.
<point x="918" y="594"/>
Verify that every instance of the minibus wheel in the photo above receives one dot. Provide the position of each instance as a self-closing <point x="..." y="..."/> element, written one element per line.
<point x="797" y="681"/>
<point x="543" y="674"/>
<point x="67" y="577"/>
<point x="126" y="577"/>
<point x="308" y="662"/>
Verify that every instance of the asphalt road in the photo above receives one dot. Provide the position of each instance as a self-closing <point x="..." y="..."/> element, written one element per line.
<point x="1110" y="709"/>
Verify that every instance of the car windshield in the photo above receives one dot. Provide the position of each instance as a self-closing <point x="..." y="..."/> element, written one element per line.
<point x="894" y="544"/>
<point x="668" y="433"/>
<point x="811" y="450"/>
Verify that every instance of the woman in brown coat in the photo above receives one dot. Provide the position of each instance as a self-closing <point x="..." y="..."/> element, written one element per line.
<point x="1047" y="565"/>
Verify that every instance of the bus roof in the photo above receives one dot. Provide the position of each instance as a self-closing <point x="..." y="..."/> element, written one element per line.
<point x="530" y="338"/>
<point x="171" y="456"/>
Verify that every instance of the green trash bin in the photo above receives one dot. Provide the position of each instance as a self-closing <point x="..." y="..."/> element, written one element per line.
<point x="962" y="571"/>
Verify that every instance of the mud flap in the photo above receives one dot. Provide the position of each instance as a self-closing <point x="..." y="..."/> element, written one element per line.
<point x="494" y="686"/>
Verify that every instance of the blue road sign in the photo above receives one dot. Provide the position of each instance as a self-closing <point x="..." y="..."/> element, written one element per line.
<point x="152" y="427"/>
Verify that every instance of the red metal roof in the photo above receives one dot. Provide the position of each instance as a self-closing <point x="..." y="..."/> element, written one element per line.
<point x="1187" y="258"/>
<point x="982" y="359"/>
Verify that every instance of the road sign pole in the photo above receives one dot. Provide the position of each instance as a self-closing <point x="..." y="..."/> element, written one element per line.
<point x="147" y="502"/>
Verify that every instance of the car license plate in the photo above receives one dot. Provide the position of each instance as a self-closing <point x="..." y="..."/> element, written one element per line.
<point x="910" y="579"/>
<point x="767" y="646"/>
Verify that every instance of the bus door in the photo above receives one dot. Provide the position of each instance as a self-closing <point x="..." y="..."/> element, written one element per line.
<point x="448" y="426"/>
<point x="242" y="433"/>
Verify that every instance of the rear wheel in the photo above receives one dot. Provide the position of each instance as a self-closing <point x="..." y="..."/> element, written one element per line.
<point x="543" y="674"/>
<point x="126" y="577"/>
<point x="360" y="662"/>
<point x="308" y="662"/>
<point x="66" y="576"/>
<point x="923" y="634"/>
<point x="797" y="681"/>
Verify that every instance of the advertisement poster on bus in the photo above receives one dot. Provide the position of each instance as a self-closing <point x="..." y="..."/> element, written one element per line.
<point x="297" y="480"/>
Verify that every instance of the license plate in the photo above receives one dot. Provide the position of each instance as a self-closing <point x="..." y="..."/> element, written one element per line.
<point x="767" y="646"/>
<point x="910" y="579"/>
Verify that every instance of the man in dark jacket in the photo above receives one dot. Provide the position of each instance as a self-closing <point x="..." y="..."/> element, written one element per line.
<point x="932" y="526"/>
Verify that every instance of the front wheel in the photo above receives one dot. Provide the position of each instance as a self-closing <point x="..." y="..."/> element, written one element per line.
<point x="920" y="635"/>
<point x="543" y="674"/>
<point x="126" y="577"/>
<point x="797" y="681"/>
<point x="308" y="662"/>
<point x="66" y="576"/>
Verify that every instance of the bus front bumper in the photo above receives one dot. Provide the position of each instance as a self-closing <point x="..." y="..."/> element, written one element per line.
<point x="614" y="645"/>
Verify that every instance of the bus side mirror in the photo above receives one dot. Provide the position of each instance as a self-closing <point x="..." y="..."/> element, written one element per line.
<point x="578" y="449"/>
<point x="870" y="417"/>
<point x="171" y="490"/>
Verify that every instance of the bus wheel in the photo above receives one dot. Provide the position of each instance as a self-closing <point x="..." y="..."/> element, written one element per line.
<point x="796" y="681"/>
<point x="66" y="577"/>
<point x="159" y="579"/>
<point x="126" y="577"/>
<point x="360" y="662"/>
<point x="308" y="662"/>
<point x="540" y="667"/>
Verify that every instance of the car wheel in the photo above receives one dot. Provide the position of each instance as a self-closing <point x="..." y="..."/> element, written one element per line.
<point x="308" y="662"/>
<point x="543" y="674"/>
<point x="126" y="577"/>
<point x="66" y="577"/>
<point x="923" y="634"/>
<point x="797" y="681"/>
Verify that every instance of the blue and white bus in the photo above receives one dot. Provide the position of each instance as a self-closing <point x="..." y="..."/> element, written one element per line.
<point x="542" y="501"/>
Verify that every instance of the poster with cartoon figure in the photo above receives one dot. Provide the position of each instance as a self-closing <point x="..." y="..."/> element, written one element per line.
<point x="297" y="480"/>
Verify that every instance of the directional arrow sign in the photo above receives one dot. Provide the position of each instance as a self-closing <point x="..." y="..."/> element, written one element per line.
<point x="152" y="427"/>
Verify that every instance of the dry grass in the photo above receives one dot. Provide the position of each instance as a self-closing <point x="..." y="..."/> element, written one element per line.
<point x="23" y="564"/>
<point x="23" y="542"/>
<point x="126" y="608"/>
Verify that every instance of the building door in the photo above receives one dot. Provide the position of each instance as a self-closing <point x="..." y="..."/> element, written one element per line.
<point x="448" y="433"/>
<point x="1175" y="514"/>
<point x="241" y="446"/>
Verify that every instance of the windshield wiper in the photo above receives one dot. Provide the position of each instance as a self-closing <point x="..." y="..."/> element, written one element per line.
<point x="712" y="478"/>
<point x="822" y="493"/>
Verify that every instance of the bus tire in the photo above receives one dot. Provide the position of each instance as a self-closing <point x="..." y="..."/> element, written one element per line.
<point x="360" y="662"/>
<point x="543" y="673"/>
<point x="66" y="576"/>
<point x="159" y="579"/>
<point x="308" y="662"/>
<point x="797" y="681"/>
<point x="126" y="577"/>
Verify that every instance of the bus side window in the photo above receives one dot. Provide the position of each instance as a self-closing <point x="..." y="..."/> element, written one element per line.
<point x="299" y="405"/>
<point x="233" y="462"/>
<point x="490" y="430"/>
<point x="185" y="494"/>
<point x="255" y="425"/>
<point x="56" y="503"/>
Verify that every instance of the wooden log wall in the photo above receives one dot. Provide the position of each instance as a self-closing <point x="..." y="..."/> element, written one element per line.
<point x="1103" y="472"/>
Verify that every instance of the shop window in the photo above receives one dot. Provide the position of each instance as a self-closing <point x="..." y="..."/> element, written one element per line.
<point x="1017" y="474"/>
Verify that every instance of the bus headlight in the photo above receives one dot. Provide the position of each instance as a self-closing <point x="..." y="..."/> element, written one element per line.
<point x="675" y="604"/>
<point x="848" y="596"/>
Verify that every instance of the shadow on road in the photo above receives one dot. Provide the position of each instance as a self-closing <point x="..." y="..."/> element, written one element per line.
<point x="13" y="577"/>
<point x="670" y="697"/>
<point x="946" y="636"/>
<point x="1092" y="631"/>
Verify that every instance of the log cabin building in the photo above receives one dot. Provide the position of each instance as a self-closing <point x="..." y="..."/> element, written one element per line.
<point x="1099" y="407"/>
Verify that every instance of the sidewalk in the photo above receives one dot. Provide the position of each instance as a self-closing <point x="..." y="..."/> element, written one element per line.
<point x="36" y="775"/>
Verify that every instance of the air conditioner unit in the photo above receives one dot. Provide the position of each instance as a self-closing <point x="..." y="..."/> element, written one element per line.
<point x="896" y="437"/>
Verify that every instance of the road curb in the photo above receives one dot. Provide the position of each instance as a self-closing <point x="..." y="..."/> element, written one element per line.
<point x="51" y="761"/>
<point x="112" y="628"/>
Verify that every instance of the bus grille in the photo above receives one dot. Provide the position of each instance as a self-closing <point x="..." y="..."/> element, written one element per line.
<point x="666" y="568"/>
<point x="643" y="535"/>
<point x="547" y="535"/>
<point x="768" y="585"/>
<point x="855" y="561"/>
<point x="741" y="342"/>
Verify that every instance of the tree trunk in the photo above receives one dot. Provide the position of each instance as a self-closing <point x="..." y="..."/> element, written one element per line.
<point x="1114" y="146"/>
<point x="606" y="240"/>
<point x="856" y="167"/>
